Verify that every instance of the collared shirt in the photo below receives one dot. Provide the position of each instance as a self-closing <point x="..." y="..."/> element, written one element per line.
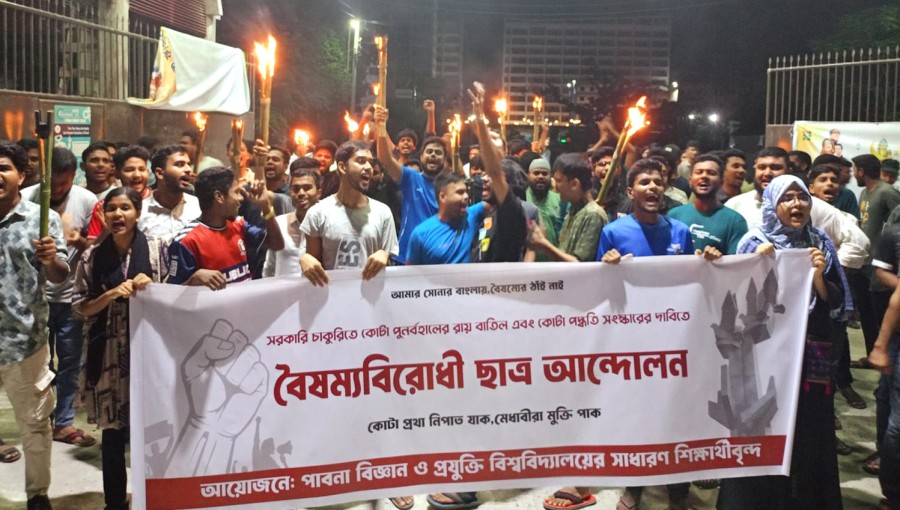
<point x="286" y="261"/>
<point x="23" y="302"/>
<point x="158" y="221"/>
<point x="75" y="214"/>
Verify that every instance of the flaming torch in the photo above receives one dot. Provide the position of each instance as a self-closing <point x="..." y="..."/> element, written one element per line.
<point x="352" y="125"/>
<point x="237" y="140"/>
<point x="637" y="120"/>
<point x="302" y="138"/>
<point x="265" y="57"/>
<point x="200" y="121"/>
<point x="44" y="132"/>
<point x="500" y="107"/>
<point x="455" y="129"/>
<point x="381" y="42"/>
<point x="538" y="106"/>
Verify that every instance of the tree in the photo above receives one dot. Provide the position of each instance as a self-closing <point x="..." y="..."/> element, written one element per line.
<point x="876" y="27"/>
<point x="312" y="78"/>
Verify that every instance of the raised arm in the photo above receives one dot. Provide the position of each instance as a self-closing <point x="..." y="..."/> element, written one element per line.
<point x="385" y="146"/>
<point x="489" y="153"/>
<point x="428" y="106"/>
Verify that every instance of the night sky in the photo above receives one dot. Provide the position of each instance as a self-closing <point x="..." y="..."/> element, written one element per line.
<point x="720" y="49"/>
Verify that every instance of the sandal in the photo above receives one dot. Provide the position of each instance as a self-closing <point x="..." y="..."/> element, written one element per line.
<point x="861" y="363"/>
<point x="75" y="437"/>
<point x="872" y="464"/>
<point x="572" y="497"/>
<point x="853" y="398"/>
<point x="400" y="505"/>
<point x="628" y="502"/>
<point x="707" y="484"/>
<point x="9" y="453"/>
<point x="842" y="447"/>
<point x="460" y="500"/>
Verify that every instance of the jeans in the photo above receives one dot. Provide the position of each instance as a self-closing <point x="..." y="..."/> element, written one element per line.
<point x="66" y="343"/>
<point x="889" y="440"/>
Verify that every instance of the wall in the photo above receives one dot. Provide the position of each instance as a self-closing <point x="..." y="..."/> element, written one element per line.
<point x="117" y="121"/>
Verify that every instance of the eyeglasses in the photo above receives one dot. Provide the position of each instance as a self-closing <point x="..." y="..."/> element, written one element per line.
<point x="800" y="198"/>
<point x="774" y="168"/>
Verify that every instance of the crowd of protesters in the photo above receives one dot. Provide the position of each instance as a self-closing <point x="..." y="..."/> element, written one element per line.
<point x="151" y="212"/>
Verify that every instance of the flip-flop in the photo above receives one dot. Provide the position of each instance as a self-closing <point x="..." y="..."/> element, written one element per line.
<point x="872" y="464"/>
<point x="575" y="501"/>
<point x="9" y="453"/>
<point x="77" y="438"/>
<point x="461" y="501"/>
<point x="400" y="506"/>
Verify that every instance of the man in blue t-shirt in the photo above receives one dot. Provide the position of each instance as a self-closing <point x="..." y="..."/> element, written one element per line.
<point x="418" y="190"/>
<point x="644" y="232"/>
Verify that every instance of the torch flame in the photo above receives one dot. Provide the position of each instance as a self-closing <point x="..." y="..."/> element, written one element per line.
<point x="538" y="103"/>
<point x="376" y="87"/>
<point x="352" y="125"/>
<point x="239" y="124"/>
<point x="200" y="121"/>
<point x="301" y="137"/>
<point x="456" y="125"/>
<point x="500" y="105"/>
<point x="265" y="56"/>
<point x="379" y="42"/>
<point x="366" y="130"/>
<point x="637" y="116"/>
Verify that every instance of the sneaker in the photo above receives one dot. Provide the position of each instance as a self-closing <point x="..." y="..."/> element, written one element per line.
<point x="39" y="502"/>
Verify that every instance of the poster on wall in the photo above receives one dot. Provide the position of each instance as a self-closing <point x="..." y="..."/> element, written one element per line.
<point x="72" y="130"/>
<point x="848" y="140"/>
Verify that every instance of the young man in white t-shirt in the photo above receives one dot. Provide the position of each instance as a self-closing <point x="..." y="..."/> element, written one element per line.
<point x="305" y="189"/>
<point x="348" y="229"/>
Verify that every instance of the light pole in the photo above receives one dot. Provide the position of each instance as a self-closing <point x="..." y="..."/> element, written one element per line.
<point x="354" y="56"/>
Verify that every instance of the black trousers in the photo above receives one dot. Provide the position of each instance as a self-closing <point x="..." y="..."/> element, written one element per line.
<point x="115" y="478"/>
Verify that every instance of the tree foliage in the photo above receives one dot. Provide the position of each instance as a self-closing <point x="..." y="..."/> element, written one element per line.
<point x="312" y="78"/>
<point x="876" y="27"/>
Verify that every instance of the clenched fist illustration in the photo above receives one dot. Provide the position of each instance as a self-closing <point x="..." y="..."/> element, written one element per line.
<point x="225" y="383"/>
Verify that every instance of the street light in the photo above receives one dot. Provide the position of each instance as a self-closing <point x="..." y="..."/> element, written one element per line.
<point x="714" y="117"/>
<point x="692" y="116"/>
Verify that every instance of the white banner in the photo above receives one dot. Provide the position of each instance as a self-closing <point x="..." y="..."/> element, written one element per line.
<point x="475" y="377"/>
<point x="191" y="74"/>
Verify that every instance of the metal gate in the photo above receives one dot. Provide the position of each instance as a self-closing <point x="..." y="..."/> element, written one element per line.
<point x="845" y="86"/>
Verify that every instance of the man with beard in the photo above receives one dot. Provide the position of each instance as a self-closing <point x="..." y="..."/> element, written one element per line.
<point x="74" y="205"/>
<point x="130" y="163"/>
<point x="26" y="266"/>
<point x="169" y="209"/>
<point x="645" y="232"/>
<point x="33" y="170"/>
<point x="348" y="230"/>
<point x="550" y="207"/>
<point x="212" y="251"/>
<point x="305" y="179"/>
<point x="418" y="190"/>
<point x="585" y="219"/>
<point x="769" y="164"/>
<point x="733" y="175"/>
<point x="710" y="223"/>
<point x="275" y="169"/>
<point x="876" y="202"/>
<point x="97" y="166"/>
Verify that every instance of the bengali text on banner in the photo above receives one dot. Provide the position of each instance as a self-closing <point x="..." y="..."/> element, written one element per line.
<point x="474" y="377"/>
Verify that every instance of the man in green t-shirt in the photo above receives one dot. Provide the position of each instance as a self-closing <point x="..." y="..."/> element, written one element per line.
<point x="551" y="209"/>
<point x="580" y="233"/>
<point x="710" y="223"/>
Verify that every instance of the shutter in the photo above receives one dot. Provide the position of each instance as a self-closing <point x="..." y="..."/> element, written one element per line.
<point x="188" y="16"/>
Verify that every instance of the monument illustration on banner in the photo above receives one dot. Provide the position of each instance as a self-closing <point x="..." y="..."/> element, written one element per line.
<point x="739" y="406"/>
